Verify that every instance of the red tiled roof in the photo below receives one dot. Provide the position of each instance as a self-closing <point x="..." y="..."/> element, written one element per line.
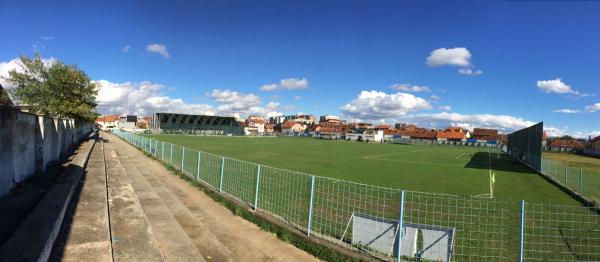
<point x="595" y="139"/>
<point x="455" y="129"/>
<point x="450" y="135"/>
<point x="107" y="118"/>
<point x="484" y="132"/>
<point x="288" y="124"/>
<point x="383" y="127"/>
<point x="567" y="143"/>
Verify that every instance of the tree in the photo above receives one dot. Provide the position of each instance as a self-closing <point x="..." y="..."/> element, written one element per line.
<point x="142" y="125"/>
<point x="54" y="88"/>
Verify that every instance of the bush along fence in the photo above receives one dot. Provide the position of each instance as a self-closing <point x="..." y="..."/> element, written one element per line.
<point x="390" y="223"/>
<point x="582" y="181"/>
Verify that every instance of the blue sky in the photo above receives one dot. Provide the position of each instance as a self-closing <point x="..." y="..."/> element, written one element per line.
<point x="521" y="61"/>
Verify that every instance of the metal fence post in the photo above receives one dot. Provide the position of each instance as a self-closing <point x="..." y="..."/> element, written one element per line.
<point x="162" y="152"/>
<point x="156" y="148"/>
<point x="566" y="176"/>
<point x="400" y="228"/>
<point x="581" y="180"/>
<point x="522" y="233"/>
<point x="182" y="158"/>
<point x="222" y="171"/>
<point x="310" y="208"/>
<point x="198" y="167"/>
<point x="256" y="191"/>
<point x="171" y="158"/>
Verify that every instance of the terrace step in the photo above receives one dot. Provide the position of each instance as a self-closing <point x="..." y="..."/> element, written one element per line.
<point x="170" y="237"/>
<point x="206" y="242"/>
<point x="132" y="237"/>
<point x="217" y="233"/>
<point x="85" y="234"/>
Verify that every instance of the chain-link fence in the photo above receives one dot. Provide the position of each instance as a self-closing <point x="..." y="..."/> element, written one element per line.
<point x="433" y="227"/>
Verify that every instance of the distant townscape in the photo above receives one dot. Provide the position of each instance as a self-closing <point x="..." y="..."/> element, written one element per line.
<point x="329" y="127"/>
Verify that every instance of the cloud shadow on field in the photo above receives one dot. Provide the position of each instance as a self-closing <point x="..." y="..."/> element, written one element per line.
<point x="499" y="162"/>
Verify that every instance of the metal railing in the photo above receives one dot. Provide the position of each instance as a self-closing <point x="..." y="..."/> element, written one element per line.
<point x="438" y="227"/>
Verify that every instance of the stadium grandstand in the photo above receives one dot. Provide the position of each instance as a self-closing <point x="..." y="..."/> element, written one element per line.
<point x="168" y="123"/>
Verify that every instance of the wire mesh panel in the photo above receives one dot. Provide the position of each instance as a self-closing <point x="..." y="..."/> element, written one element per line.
<point x="337" y="202"/>
<point x="561" y="233"/>
<point x="239" y="179"/>
<point x="285" y="194"/>
<point x="482" y="227"/>
<point x="210" y="168"/>
<point x="177" y="154"/>
<point x="190" y="161"/>
<point x="584" y="181"/>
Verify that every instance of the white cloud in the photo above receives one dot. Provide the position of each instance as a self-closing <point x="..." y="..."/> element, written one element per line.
<point x="297" y="97"/>
<point x="504" y="123"/>
<point x="269" y="87"/>
<point x="554" y="131"/>
<point x="469" y="72"/>
<point x="375" y="105"/>
<point x="160" y="49"/>
<point x="554" y="86"/>
<point x="458" y="56"/>
<point x="287" y="84"/>
<point x="410" y="88"/>
<point x="593" y="108"/>
<point x="559" y="87"/>
<point x="444" y="108"/>
<point x="47" y="38"/>
<point x="38" y="47"/>
<point x="125" y="49"/>
<point x="15" y="64"/>
<point x="145" y="97"/>
<point x="142" y="98"/>
<point x="434" y="97"/>
<point x="567" y="111"/>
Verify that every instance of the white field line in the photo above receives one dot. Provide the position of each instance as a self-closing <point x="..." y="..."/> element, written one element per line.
<point x="460" y="155"/>
<point x="413" y="162"/>
<point x="397" y="153"/>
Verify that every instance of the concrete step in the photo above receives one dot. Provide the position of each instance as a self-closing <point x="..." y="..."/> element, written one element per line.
<point x="206" y="242"/>
<point x="85" y="234"/>
<point x="172" y="239"/>
<point x="132" y="236"/>
<point x="206" y="220"/>
<point x="241" y="246"/>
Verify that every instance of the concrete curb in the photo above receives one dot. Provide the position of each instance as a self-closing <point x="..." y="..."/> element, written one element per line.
<point x="34" y="239"/>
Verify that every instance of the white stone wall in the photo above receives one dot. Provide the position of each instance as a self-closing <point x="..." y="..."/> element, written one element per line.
<point x="30" y="143"/>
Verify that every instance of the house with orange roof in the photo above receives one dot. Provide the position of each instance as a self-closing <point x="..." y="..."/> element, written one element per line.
<point x="382" y="127"/>
<point x="292" y="127"/>
<point x="452" y="134"/>
<point x="561" y="145"/>
<point x="254" y="125"/>
<point x="107" y="121"/>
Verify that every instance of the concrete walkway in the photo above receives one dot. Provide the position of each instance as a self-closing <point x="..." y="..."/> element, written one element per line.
<point x="131" y="208"/>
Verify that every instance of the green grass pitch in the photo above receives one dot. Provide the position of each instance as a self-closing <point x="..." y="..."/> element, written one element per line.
<point x="556" y="225"/>
<point x="439" y="169"/>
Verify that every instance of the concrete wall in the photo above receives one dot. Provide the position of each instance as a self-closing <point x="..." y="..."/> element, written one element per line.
<point x="29" y="143"/>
